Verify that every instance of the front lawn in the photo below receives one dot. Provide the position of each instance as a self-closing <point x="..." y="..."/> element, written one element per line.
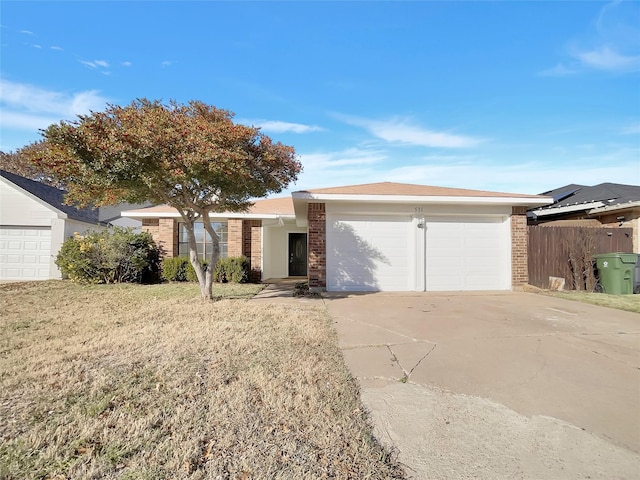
<point x="630" y="303"/>
<point x="149" y="382"/>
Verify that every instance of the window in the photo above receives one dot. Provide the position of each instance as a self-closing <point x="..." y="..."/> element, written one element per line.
<point x="202" y="239"/>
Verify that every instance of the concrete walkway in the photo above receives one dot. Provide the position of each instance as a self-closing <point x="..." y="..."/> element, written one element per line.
<point x="281" y="291"/>
<point x="494" y="385"/>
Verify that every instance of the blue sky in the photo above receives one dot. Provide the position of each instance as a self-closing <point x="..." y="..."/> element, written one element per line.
<point x="517" y="97"/>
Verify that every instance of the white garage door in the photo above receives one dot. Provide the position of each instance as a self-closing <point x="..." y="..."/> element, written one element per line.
<point x="369" y="253"/>
<point x="467" y="254"/>
<point x="25" y="253"/>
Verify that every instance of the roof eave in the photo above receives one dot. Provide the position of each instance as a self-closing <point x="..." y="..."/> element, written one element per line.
<point x="613" y="208"/>
<point x="139" y="214"/>
<point x="566" y="209"/>
<point x="301" y="199"/>
<point x="430" y="199"/>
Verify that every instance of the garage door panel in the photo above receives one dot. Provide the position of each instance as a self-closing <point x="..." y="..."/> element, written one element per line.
<point x="368" y="253"/>
<point x="25" y="253"/>
<point x="466" y="254"/>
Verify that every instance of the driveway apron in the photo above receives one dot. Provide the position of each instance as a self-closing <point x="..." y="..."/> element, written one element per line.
<point x="496" y="385"/>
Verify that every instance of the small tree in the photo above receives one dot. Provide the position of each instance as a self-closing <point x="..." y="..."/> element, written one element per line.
<point x="192" y="157"/>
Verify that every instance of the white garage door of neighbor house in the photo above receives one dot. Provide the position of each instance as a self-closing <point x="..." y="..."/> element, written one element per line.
<point x="368" y="253"/>
<point x="467" y="254"/>
<point x="25" y="253"/>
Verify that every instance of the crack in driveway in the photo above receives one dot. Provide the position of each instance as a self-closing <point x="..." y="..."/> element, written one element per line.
<point x="407" y="374"/>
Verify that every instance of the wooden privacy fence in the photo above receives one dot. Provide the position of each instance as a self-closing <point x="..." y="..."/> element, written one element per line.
<point x="567" y="252"/>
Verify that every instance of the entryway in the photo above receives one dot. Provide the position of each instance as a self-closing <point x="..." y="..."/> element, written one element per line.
<point x="297" y="254"/>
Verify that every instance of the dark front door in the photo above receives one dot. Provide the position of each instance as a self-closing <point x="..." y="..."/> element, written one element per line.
<point x="297" y="254"/>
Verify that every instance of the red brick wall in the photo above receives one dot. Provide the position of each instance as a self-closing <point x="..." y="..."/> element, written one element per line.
<point x="164" y="232"/>
<point x="519" y="240"/>
<point x="252" y="247"/>
<point x="317" y="245"/>
<point x="234" y="237"/>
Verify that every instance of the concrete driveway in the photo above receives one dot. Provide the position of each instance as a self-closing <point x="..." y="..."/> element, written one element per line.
<point x="497" y="385"/>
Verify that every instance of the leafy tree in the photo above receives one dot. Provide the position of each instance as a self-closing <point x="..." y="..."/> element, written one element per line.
<point x="192" y="157"/>
<point x="20" y="164"/>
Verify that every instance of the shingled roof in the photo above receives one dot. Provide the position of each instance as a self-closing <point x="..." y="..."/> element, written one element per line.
<point x="53" y="197"/>
<point x="404" y="189"/>
<point x="608" y="193"/>
<point x="576" y="199"/>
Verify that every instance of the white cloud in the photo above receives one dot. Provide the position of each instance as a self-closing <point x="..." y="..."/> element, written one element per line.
<point x="127" y="64"/>
<point x="275" y="126"/>
<point x="559" y="70"/>
<point x="35" y="45"/>
<point x="27" y="107"/>
<point x="95" y="63"/>
<point x="489" y="170"/>
<point x="349" y="157"/>
<point x="606" y="58"/>
<point x="611" y="44"/>
<point x="25" y="121"/>
<point x="525" y="177"/>
<point x="633" y="129"/>
<point x="27" y="32"/>
<point x="54" y="47"/>
<point x="166" y="63"/>
<point x="343" y="167"/>
<point x="400" y="131"/>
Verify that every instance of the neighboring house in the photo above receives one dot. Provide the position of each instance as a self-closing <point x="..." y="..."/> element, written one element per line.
<point x="34" y="222"/>
<point x="607" y="205"/>
<point x="373" y="237"/>
<point x="112" y="215"/>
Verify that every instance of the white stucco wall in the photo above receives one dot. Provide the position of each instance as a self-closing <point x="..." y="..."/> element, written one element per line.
<point x="128" y="223"/>
<point x="275" y="244"/>
<point x="19" y="209"/>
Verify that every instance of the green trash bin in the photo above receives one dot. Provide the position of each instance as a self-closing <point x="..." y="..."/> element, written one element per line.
<point x="616" y="272"/>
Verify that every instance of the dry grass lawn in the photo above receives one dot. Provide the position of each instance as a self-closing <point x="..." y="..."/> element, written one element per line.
<point x="149" y="382"/>
<point x="630" y="303"/>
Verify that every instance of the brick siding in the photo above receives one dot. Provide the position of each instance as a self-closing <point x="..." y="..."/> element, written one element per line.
<point x="165" y="233"/>
<point x="317" y="245"/>
<point x="244" y="238"/>
<point x="252" y="247"/>
<point x="519" y="241"/>
<point x="234" y="237"/>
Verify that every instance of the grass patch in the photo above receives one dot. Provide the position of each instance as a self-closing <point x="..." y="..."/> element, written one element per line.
<point x="135" y="382"/>
<point x="629" y="303"/>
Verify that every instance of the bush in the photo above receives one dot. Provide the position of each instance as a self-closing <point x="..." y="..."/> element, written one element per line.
<point x="179" y="269"/>
<point x="117" y="255"/>
<point x="231" y="269"/>
<point x="191" y="273"/>
<point x="175" y="269"/>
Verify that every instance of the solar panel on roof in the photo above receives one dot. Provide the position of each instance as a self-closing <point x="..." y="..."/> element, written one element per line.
<point x="558" y="197"/>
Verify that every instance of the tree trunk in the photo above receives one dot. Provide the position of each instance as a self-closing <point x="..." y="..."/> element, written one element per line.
<point x="189" y="224"/>
<point x="214" y="256"/>
<point x="205" y="278"/>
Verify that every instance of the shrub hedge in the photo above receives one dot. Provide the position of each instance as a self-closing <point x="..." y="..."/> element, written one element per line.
<point x="116" y="255"/>
<point x="229" y="269"/>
